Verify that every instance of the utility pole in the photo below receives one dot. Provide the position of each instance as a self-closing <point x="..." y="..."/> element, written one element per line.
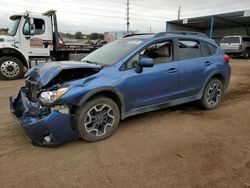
<point x="179" y="13"/>
<point x="128" y="18"/>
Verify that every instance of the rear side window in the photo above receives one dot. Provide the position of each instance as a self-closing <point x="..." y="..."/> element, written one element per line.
<point x="211" y="48"/>
<point x="231" y="40"/>
<point x="189" y="49"/>
<point x="208" y="49"/>
<point x="246" y="39"/>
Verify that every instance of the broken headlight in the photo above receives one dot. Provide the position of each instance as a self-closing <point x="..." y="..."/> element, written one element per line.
<point x="51" y="96"/>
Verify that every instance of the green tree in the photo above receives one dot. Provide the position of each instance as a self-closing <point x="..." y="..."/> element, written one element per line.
<point x="78" y="35"/>
<point x="101" y="36"/>
<point x="69" y="35"/>
<point x="94" y="36"/>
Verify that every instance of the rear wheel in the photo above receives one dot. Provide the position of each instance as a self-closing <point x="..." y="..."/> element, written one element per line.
<point x="11" y="68"/>
<point x="247" y="54"/>
<point x="98" y="119"/>
<point x="212" y="94"/>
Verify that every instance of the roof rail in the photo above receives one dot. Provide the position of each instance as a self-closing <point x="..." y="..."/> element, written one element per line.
<point x="137" y="34"/>
<point x="200" y="34"/>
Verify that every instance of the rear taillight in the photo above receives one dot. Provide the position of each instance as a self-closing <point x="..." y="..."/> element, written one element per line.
<point x="226" y="58"/>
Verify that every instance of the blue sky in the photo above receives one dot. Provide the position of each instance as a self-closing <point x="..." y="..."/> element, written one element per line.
<point x="109" y="15"/>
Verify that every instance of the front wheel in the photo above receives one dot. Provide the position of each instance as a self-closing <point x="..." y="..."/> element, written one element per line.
<point x="98" y="119"/>
<point x="212" y="94"/>
<point x="11" y="68"/>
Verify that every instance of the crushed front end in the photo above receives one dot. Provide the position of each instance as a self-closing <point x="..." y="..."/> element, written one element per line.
<point x="43" y="124"/>
<point x="47" y="119"/>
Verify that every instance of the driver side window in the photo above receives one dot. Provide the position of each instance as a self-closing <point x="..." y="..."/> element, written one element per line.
<point x="161" y="52"/>
<point x="34" y="26"/>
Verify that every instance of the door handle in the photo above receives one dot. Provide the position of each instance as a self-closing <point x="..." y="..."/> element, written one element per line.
<point x="207" y="63"/>
<point x="172" y="70"/>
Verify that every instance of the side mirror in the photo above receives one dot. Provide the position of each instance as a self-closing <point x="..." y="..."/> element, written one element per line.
<point x="144" y="62"/>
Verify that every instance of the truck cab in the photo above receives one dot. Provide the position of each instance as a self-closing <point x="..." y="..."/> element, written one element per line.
<point x="32" y="38"/>
<point x="29" y="37"/>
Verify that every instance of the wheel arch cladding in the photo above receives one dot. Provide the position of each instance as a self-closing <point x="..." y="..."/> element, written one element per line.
<point x="11" y="52"/>
<point x="219" y="77"/>
<point x="111" y="93"/>
<point x="215" y="75"/>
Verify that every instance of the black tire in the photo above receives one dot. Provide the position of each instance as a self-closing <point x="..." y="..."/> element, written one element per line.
<point x="97" y="121"/>
<point x="11" y="68"/>
<point x="247" y="54"/>
<point x="212" y="98"/>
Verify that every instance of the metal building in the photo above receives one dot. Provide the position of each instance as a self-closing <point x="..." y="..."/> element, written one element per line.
<point x="215" y="26"/>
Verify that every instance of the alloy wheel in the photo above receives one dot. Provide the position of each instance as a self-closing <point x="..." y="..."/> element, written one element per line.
<point x="214" y="94"/>
<point x="99" y="119"/>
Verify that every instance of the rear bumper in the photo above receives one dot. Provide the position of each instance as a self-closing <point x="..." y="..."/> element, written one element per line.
<point x="236" y="52"/>
<point x="56" y="126"/>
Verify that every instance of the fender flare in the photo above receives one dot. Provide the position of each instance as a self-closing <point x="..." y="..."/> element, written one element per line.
<point x="214" y="73"/>
<point x="110" y="89"/>
<point x="20" y="53"/>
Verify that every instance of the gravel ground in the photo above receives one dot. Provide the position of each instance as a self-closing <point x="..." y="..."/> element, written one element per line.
<point x="181" y="146"/>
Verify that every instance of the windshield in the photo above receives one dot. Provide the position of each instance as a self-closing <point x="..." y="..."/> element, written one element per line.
<point x="231" y="40"/>
<point x="13" y="27"/>
<point x="112" y="52"/>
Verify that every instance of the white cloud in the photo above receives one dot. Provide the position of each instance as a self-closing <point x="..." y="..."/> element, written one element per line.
<point x="108" y="15"/>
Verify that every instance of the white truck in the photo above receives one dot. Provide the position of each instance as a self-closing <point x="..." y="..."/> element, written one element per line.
<point x="33" y="38"/>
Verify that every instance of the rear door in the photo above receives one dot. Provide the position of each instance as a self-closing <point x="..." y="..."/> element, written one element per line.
<point x="192" y="67"/>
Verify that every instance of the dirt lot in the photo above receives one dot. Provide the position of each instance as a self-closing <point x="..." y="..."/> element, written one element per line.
<point x="177" y="147"/>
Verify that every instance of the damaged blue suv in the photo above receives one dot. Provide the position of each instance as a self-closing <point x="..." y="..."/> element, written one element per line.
<point x="64" y="101"/>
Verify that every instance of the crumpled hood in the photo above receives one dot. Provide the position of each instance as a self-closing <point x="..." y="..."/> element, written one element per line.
<point x="44" y="73"/>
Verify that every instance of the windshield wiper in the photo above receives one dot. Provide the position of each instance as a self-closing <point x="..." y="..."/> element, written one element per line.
<point x="90" y="62"/>
<point x="95" y="63"/>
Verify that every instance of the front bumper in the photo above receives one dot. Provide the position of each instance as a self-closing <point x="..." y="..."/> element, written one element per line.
<point x="55" y="126"/>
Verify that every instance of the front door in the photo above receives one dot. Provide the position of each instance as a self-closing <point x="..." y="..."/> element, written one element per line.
<point x="155" y="85"/>
<point x="36" y="39"/>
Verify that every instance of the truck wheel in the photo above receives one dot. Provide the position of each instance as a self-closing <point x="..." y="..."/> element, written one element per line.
<point x="98" y="119"/>
<point x="212" y="94"/>
<point x="11" y="68"/>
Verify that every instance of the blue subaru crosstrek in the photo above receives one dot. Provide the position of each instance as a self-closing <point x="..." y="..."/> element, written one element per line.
<point x="63" y="101"/>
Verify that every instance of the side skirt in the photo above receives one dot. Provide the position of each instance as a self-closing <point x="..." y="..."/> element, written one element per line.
<point x="159" y="106"/>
